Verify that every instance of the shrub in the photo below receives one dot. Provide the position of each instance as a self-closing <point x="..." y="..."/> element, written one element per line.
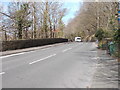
<point x="20" y="44"/>
<point x="99" y="34"/>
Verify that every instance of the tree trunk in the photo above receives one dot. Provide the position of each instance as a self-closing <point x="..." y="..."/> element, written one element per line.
<point x="19" y="30"/>
<point x="34" y="21"/>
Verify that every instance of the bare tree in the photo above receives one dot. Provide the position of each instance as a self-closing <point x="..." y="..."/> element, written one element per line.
<point x="91" y="17"/>
<point x="34" y="20"/>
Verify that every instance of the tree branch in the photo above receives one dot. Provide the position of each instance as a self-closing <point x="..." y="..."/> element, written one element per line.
<point x="7" y="15"/>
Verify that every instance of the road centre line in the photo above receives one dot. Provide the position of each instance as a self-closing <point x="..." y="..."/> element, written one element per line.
<point x="66" y="49"/>
<point x="11" y="55"/>
<point x="2" y="73"/>
<point x="42" y="59"/>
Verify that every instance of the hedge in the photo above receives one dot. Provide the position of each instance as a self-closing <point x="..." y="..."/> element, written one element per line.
<point x="20" y="44"/>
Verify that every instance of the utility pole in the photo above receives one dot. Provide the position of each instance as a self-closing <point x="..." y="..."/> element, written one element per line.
<point x="97" y="13"/>
<point x="119" y="30"/>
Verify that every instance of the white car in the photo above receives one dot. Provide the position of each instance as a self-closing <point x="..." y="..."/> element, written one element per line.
<point x="78" y="39"/>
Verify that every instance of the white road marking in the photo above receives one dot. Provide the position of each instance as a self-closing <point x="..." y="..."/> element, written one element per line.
<point x="11" y="55"/>
<point x="45" y="48"/>
<point x="42" y="59"/>
<point x="30" y="51"/>
<point x="50" y="45"/>
<point x="96" y="58"/>
<point x="2" y="73"/>
<point x="66" y="49"/>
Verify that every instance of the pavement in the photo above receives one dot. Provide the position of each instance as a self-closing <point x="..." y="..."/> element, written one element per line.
<point x="68" y="65"/>
<point x="106" y="74"/>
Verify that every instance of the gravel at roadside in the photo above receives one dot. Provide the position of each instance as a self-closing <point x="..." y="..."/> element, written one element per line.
<point x="106" y="75"/>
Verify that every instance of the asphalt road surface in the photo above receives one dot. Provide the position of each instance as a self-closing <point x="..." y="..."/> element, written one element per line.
<point x="69" y="65"/>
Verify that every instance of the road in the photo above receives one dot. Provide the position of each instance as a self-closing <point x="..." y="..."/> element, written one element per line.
<point x="69" y="65"/>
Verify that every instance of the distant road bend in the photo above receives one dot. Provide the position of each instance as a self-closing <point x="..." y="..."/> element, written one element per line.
<point x="69" y="65"/>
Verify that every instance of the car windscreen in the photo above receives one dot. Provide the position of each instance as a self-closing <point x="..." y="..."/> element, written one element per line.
<point x="78" y="38"/>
